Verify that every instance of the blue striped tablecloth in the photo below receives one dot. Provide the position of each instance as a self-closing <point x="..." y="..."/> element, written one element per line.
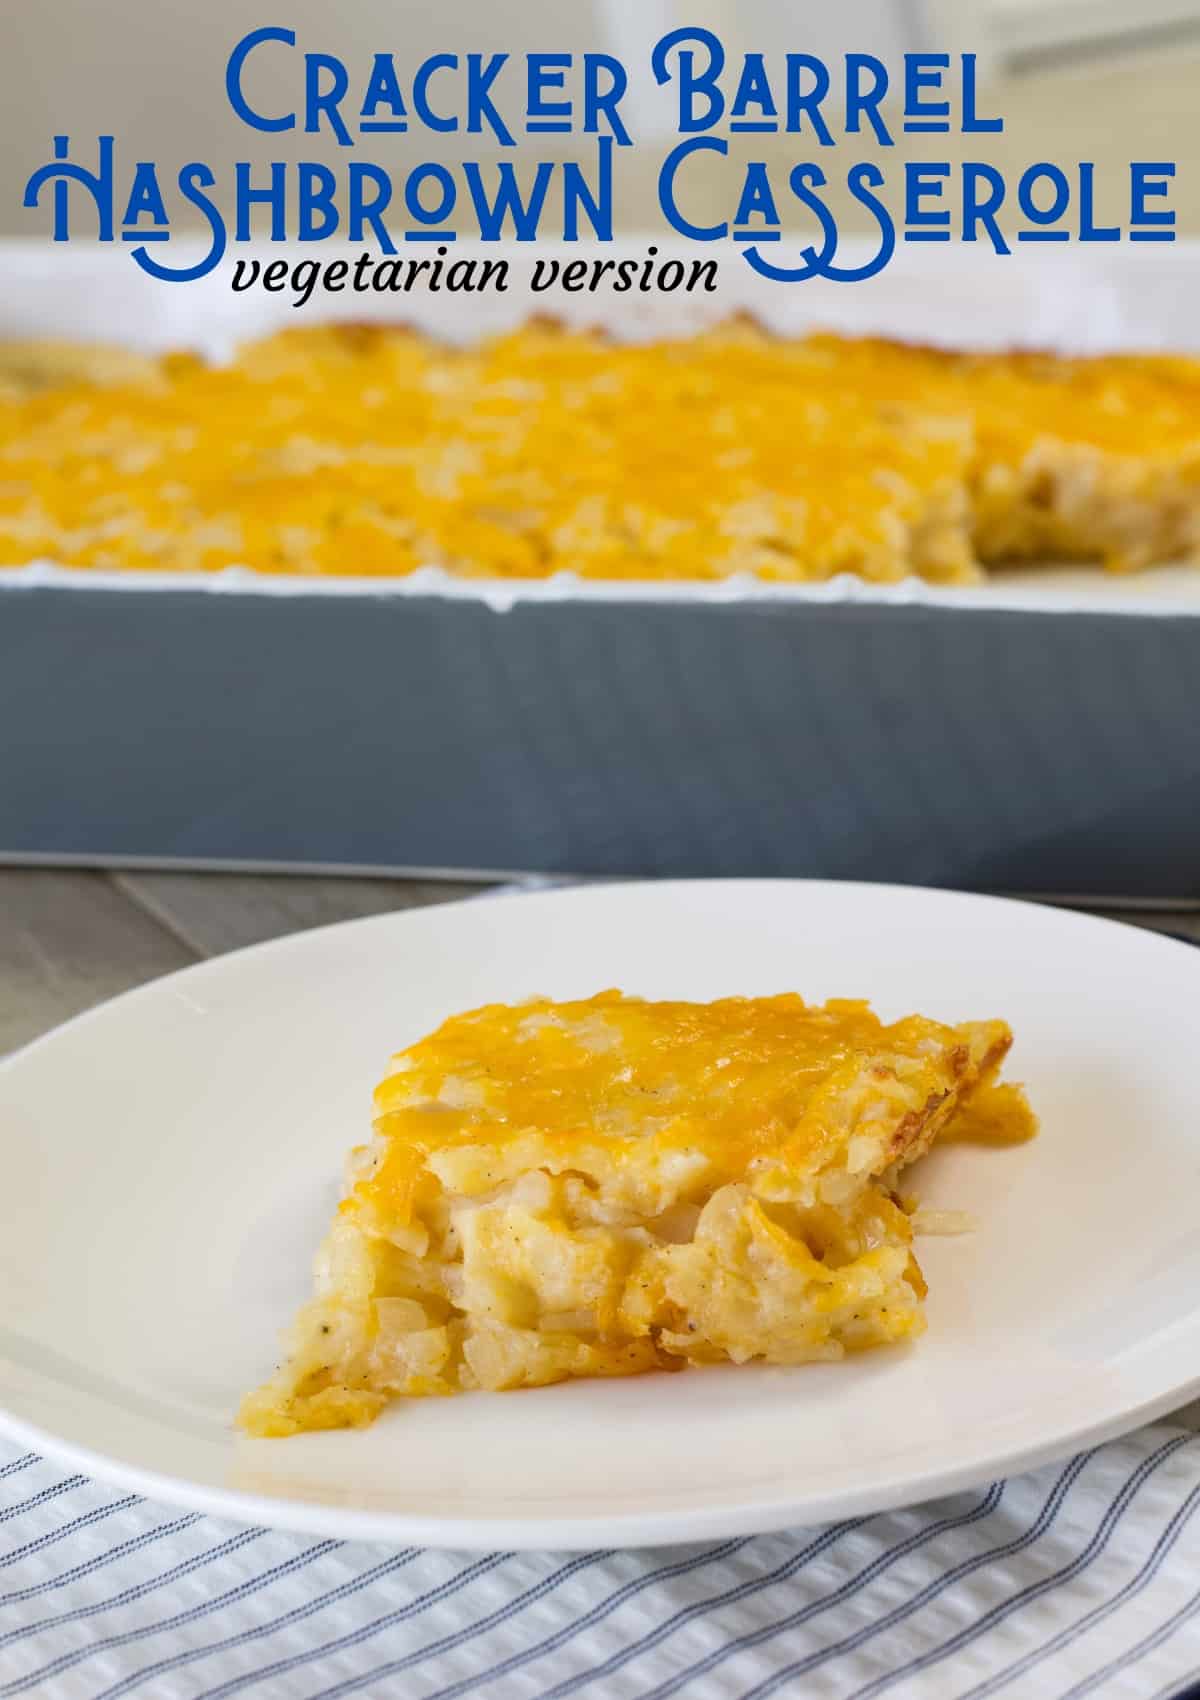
<point x="1081" y="1579"/>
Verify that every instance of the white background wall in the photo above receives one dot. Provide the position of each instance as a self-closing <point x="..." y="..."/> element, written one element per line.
<point x="152" y="71"/>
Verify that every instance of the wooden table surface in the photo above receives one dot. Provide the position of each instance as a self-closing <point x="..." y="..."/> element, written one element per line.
<point x="70" y="938"/>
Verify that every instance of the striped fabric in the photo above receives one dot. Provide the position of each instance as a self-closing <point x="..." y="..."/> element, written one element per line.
<point x="1081" y="1579"/>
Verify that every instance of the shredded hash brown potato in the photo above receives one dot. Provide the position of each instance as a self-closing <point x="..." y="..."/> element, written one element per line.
<point x="611" y="1186"/>
<point x="364" y="450"/>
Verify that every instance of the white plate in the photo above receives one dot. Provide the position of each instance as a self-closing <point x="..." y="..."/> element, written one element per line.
<point x="169" y="1160"/>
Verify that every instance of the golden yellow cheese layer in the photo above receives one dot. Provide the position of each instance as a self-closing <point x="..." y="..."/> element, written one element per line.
<point x="378" y="452"/>
<point x="621" y="1085"/>
<point x="372" y="451"/>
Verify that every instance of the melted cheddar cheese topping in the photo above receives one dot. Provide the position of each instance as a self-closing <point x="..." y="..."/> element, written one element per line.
<point x="358" y="450"/>
<point x="997" y="1114"/>
<point x="377" y="452"/>
<point x="619" y="1083"/>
